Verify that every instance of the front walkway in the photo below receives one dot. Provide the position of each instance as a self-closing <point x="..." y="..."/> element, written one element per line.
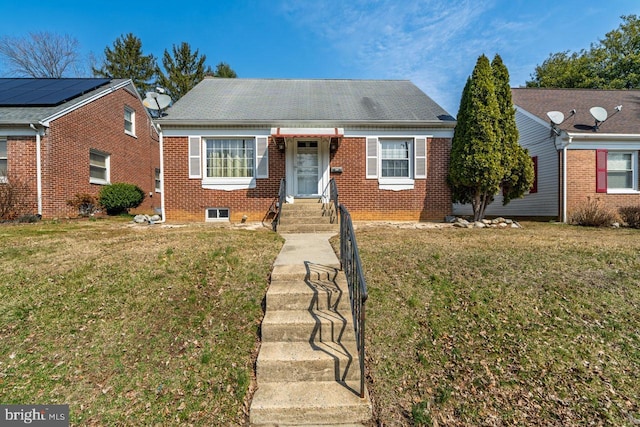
<point x="308" y="367"/>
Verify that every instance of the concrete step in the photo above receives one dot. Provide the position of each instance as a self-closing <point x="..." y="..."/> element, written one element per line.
<point x="308" y="295"/>
<point x="304" y="403"/>
<point x="301" y="272"/>
<point x="301" y="361"/>
<point x="317" y="207"/>
<point x="306" y="219"/>
<point x="308" y="228"/>
<point x="321" y="326"/>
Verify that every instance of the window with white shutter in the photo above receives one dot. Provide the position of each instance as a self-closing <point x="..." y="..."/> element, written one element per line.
<point x="372" y="158"/>
<point x="420" y="151"/>
<point x="262" y="154"/>
<point x="195" y="160"/>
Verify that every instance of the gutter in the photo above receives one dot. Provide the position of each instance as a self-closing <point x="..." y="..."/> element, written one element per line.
<point x="38" y="167"/>
<point x="446" y="124"/>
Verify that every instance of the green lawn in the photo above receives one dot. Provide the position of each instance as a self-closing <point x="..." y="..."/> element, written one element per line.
<point x="537" y="326"/>
<point x="132" y="325"/>
<point x="152" y="325"/>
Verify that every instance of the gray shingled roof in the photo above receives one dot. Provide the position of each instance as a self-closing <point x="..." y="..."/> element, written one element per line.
<point x="278" y="101"/>
<point x="21" y="115"/>
<point x="539" y="101"/>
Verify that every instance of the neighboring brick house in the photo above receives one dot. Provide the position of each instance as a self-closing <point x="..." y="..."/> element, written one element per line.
<point x="63" y="137"/>
<point x="228" y="143"/>
<point x="575" y="159"/>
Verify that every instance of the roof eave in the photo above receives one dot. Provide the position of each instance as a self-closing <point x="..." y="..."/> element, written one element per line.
<point x="294" y="123"/>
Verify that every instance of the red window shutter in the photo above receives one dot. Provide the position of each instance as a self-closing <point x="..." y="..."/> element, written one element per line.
<point x="534" y="186"/>
<point x="601" y="171"/>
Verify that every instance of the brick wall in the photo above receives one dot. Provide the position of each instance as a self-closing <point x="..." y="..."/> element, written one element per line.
<point x="429" y="200"/>
<point x="21" y="152"/>
<point x="186" y="200"/>
<point x="99" y="126"/>
<point x="581" y="183"/>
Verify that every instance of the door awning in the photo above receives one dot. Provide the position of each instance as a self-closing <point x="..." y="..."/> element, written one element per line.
<point x="307" y="132"/>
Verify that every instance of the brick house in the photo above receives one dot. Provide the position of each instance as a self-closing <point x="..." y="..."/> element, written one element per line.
<point x="575" y="157"/>
<point x="62" y="137"/>
<point x="228" y="143"/>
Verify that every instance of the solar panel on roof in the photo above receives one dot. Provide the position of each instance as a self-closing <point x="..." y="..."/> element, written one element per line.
<point x="44" y="92"/>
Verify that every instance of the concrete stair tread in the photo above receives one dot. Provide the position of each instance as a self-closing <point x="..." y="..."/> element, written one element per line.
<point x="304" y="403"/>
<point x="304" y="295"/>
<point x="303" y="351"/>
<point x="307" y="228"/>
<point x="298" y="325"/>
<point x="300" y="361"/>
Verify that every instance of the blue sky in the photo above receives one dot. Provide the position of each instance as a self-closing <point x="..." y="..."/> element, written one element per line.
<point x="434" y="43"/>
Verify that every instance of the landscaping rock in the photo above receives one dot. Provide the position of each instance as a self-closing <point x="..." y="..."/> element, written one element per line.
<point x="485" y="223"/>
<point x="463" y="222"/>
<point x="140" y="219"/>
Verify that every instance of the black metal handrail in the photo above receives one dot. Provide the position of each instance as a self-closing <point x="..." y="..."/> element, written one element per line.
<point x="281" y="197"/>
<point x="333" y="195"/>
<point x="352" y="267"/>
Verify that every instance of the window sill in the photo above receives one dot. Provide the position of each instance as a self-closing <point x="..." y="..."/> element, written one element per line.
<point x="395" y="184"/>
<point x="622" y="191"/>
<point x="133" y="135"/>
<point x="229" y="184"/>
<point x="98" y="182"/>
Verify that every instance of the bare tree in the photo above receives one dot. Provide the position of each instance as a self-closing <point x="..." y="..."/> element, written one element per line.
<point x="40" y="54"/>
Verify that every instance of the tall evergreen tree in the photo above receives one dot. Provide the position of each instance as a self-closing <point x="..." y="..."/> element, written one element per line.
<point x="476" y="170"/>
<point x="224" y="70"/>
<point x="126" y="61"/>
<point x="485" y="154"/>
<point x="518" y="167"/>
<point x="185" y="69"/>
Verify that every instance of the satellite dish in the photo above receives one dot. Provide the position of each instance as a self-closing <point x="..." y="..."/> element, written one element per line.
<point x="598" y="113"/>
<point x="556" y="117"/>
<point x="155" y="101"/>
<point x="163" y="101"/>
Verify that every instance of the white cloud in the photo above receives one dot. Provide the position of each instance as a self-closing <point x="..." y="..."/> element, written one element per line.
<point x="425" y="41"/>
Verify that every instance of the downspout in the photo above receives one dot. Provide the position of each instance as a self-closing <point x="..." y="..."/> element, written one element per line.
<point x="163" y="195"/>
<point x="564" y="184"/>
<point x="38" y="168"/>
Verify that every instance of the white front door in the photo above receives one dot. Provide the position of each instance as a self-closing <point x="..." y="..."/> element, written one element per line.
<point x="307" y="169"/>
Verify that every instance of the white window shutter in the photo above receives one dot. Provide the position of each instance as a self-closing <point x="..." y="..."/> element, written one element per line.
<point x="262" y="154"/>
<point x="420" y="151"/>
<point x="372" y="157"/>
<point x="195" y="161"/>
